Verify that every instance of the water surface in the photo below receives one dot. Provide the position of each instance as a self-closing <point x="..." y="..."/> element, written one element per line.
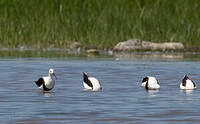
<point x="122" y="100"/>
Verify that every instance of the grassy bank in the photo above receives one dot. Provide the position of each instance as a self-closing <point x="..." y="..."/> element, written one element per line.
<point x="97" y="23"/>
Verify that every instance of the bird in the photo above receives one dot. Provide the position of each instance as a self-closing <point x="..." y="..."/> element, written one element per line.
<point x="46" y="83"/>
<point x="90" y="83"/>
<point x="187" y="84"/>
<point x="150" y="83"/>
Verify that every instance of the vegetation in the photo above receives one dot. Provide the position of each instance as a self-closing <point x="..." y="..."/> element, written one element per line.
<point x="97" y="23"/>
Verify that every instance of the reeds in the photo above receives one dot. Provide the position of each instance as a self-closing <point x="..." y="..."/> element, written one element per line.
<point x="97" y="23"/>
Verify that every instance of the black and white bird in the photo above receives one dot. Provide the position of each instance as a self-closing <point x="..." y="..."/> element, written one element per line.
<point x="46" y="83"/>
<point x="187" y="84"/>
<point x="150" y="83"/>
<point x="90" y="83"/>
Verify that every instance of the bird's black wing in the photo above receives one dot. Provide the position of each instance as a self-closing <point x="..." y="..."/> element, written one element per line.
<point x="194" y="84"/>
<point x="184" y="80"/>
<point x="39" y="82"/>
<point x="86" y="80"/>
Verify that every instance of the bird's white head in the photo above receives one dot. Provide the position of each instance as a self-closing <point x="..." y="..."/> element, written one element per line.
<point x="51" y="72"/>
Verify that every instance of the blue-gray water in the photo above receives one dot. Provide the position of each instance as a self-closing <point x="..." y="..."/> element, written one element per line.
<point x="122" y="100"/>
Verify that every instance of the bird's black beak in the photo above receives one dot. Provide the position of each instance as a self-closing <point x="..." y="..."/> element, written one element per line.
<point x="55" y="76"/>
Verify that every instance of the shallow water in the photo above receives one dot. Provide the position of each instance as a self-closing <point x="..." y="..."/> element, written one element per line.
<point x="122" y="100"/>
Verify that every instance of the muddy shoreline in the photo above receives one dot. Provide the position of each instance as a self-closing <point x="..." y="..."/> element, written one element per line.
<point x="60" y="52"/>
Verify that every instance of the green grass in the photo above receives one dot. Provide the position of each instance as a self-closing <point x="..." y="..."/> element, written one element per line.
<point x="97" y="23"/>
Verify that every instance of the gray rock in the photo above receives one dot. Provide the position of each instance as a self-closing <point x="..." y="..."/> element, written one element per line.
<point x="132" y="44"/>
<point x="135" y="44"/>
<point x="92" y="51"/>
<point x="75" y="48"/>
<point x="75" y="45"/>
